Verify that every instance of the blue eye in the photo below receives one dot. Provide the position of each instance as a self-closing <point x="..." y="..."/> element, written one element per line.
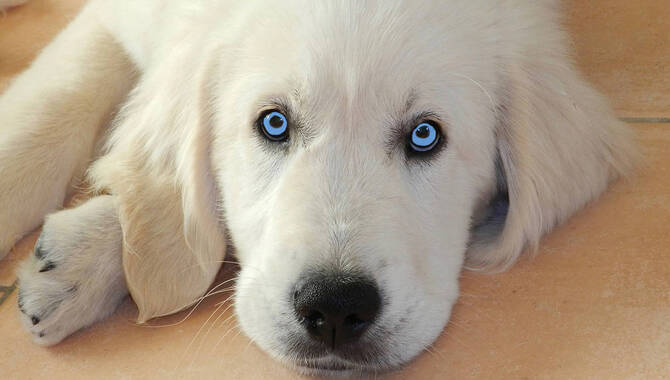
<point x="424" y="137"/>
<point x="274" y="125"/>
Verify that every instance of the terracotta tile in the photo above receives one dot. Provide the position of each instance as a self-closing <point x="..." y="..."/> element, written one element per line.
<point x="624" y="49"/>
<point x="595" y="303"/>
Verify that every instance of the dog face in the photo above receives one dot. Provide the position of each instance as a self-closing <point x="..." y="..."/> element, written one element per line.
<point x="354" y="152"/>
<point x="328" y="197"/>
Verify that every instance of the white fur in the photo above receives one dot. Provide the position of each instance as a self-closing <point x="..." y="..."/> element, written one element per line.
<point x="86" y="284"/>
<point x="186" y="166"/>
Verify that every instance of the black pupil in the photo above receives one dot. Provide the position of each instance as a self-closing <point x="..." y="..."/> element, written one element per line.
<point x="422" y="132"/>
<point x="276" y="121"/>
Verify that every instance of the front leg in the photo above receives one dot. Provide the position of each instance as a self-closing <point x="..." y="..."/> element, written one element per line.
<point x="51" y="117"/>
<point x="75" y="276"/>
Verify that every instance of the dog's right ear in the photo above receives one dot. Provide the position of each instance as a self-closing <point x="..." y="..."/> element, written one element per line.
<point x="559" y="146"/>
<point x="158" y="167"/>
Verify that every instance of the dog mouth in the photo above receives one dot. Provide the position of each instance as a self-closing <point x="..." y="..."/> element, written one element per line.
<point x="328" y="366"/>
<point x="312" y="359"/>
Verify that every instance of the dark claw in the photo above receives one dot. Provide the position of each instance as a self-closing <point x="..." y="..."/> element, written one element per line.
<point x="20" y="302"/>
<point x="39" y="252"/>
<point x="41" y="334"/>
<point x="49" y="265"/>
<point x="35" y="320"/>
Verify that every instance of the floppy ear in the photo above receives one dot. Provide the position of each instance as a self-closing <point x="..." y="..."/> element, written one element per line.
<point x="158" y="167"/>
<point x="559" y="145"/>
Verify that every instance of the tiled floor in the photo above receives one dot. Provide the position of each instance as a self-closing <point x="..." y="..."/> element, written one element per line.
<point x="624" y="49"/>
<point x="595" y="303"/>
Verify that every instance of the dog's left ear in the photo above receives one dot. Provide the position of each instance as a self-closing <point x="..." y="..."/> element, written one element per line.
<point x="158" y="167"/>
<point x="559" y="146"/>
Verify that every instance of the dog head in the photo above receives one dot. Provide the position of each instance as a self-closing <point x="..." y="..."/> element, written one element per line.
<point x="356" y="155"/>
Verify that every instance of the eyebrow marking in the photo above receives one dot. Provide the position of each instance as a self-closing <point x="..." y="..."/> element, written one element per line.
<point x="297" y="96"/>
<point x="398" y="123"/>
<point x="409" y="103"/>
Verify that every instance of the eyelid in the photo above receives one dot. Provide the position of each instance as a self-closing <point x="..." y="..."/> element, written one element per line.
<point x="425" y="117"/>
<point x="273" y="106"/>
<point x="403" y="127"/>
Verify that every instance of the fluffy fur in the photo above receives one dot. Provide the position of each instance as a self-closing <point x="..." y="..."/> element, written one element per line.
<point x="528" y="144"/>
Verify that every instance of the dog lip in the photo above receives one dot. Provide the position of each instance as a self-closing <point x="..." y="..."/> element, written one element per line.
<point x="326" y="365"/>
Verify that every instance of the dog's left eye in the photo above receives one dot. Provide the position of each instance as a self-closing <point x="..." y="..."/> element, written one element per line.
<point x="424" y="137"/>
<point x="274" y="125"/>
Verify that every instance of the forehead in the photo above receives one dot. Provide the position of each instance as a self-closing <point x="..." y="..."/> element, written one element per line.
<point x="350" y="52"/>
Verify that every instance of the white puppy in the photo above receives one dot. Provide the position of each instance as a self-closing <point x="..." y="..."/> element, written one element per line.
<point x="355" y="153"/>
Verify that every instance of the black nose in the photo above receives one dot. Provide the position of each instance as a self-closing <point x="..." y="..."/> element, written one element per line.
<point x="336" y="309"/>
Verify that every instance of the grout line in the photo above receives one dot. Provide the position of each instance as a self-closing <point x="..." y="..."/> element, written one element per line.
<point x="646" y="119"/>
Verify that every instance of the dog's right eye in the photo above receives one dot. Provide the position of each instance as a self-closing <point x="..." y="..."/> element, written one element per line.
<point x="274" y="125"/>
<point x="424" y="138"/>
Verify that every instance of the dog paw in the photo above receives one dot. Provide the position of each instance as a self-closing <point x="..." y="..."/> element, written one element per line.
<point x="74" y="277"/>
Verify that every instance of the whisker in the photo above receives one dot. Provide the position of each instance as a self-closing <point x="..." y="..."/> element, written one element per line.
<point x="459" y="341"/>
<point x="472" y="295"/>
<point x="196" y="337"/>
<point x="459" y="325"/>
<point x="486" y="92"/>
<point x="188" y="267"/>
<point x="251" y="340"/>
<point x="204" y="338"/>
<point x="428" y="350"/>
<point x="193" y="309"/>
<point x="227" y="331"/>
<point x="431" y="348"/>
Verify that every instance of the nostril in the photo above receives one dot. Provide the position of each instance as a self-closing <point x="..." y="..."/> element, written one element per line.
<point x="314" y="319"/>
<point x="354" y="324"/>
<point x="353" y="321"/>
